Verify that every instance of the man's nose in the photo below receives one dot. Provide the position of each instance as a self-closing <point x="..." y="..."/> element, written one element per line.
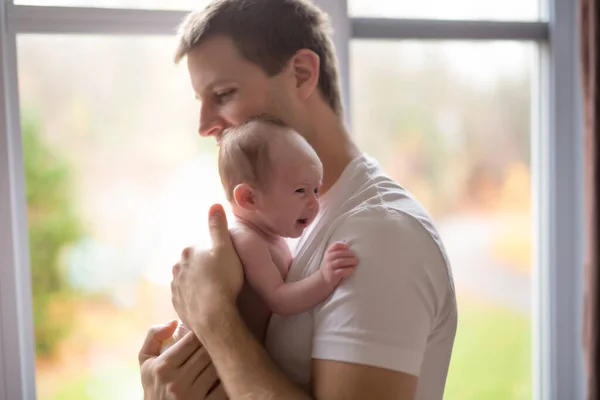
<point x="211" y="124"/>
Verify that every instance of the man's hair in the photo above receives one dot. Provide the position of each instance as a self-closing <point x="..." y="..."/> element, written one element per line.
<point x="244" y="155"/>
<point x="268" y="33"/>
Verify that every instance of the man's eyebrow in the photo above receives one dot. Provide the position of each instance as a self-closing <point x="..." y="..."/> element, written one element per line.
<point x="210" y="86"/>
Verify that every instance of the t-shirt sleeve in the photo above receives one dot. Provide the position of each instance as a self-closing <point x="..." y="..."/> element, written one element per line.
<point x="384" y="313"/>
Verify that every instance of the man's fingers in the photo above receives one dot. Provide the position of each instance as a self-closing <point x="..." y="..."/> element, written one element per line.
<point x="206" y="380"/>
<point x="181" y="351"/>
<point x="186" y="253"/>
<point x="194" y="366"/>
<point x="217" y="226"/>
<point x="176" y="269"/>
<point x="217" y="393"/>
<point x="156" y="334"/>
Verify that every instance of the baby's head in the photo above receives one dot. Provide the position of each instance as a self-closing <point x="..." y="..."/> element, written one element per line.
<point x="271" y="176"/>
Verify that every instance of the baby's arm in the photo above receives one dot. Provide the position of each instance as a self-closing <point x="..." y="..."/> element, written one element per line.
<point x="295" y="297"/>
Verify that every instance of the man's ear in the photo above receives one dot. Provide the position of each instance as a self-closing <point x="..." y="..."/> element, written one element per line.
<point x="245" y="197"/>
<point x="305" y="69"/>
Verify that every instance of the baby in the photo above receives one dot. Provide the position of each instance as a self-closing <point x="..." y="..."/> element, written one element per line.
<point x="271" y="177"/>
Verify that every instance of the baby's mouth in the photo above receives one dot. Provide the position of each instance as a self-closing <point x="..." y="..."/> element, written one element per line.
<point x="302" y="221"/>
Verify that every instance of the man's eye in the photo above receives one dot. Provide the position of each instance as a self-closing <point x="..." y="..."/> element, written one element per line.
<point x="225" y="93"/>
<point x="300" y="190"/>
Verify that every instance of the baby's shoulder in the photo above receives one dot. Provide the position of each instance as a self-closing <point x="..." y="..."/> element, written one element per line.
<point x="246" y="239"/>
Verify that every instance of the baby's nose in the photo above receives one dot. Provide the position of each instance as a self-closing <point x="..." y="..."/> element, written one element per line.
<point x="313" y="204"/>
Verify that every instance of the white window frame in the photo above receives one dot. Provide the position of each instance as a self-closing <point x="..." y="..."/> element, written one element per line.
<point x="557" y="164"/>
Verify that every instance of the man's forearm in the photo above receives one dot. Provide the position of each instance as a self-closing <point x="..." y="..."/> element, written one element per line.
<point x="242" y="363"/>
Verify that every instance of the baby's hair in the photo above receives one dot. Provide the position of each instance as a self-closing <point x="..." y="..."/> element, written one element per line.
<point x="244" y="153"/>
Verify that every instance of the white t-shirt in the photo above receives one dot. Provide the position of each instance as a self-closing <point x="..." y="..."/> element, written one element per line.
<point x="398" y="310"/>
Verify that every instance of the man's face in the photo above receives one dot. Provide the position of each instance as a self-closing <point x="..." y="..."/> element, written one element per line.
<point x="230" y="88"/>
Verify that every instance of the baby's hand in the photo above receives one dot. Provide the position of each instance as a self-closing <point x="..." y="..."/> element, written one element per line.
<point x="338" y="263"/>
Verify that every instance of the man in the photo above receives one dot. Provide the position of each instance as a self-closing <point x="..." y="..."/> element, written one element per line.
<point x="388" y="331"/>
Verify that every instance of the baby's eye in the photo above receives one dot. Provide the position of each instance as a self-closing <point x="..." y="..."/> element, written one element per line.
<point x="317" y="191"/>
<point x="302" y="190"/>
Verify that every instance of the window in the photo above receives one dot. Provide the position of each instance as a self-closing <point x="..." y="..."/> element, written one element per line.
<point x="511" y="10"/>
<point x="146" y="4"/>
<point x="137" y="179"/>
<point x="451" y="121"/>
<point x="477" y="119"/>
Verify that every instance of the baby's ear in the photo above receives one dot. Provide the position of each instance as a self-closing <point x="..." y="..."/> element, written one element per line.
<point x="245" y="196"/>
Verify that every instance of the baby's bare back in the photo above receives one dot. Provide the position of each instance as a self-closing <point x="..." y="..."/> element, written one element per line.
<point x="253" y="309"/>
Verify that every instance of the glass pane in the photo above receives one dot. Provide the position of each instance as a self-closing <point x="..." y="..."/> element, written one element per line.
<point x="450" y="121"/>
<point x="140" y="4"/>
<point x="118" y="183"/>
<point x="509" y="10"/>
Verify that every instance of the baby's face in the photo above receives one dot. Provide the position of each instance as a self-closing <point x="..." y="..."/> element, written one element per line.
<point x="290" y="201"/>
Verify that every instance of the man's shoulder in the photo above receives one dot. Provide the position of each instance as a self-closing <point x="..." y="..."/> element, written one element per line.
<point x="388" y="218"/>
<point x="379" y="199"/>
<point x="376" y="209"/>
<point x="393" y="232"/>
<point x="383" y="205"/>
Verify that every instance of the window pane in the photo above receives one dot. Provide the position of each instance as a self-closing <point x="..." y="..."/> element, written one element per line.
<point x="118" y="183"/>
<point x="141" y="4"/>
<point x="450" y="121"/>
<point x="510" y="10"/>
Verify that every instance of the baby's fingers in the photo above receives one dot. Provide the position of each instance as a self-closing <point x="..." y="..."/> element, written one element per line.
<point x="344" y="272"/>
<point x="338" y="246"/>
<point x="334" y="255"/>
<point x="343" y="262"/>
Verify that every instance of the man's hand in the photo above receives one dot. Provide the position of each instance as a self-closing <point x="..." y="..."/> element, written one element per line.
<point x="204" y="281"/>
<point x="183" y="372"/>
<point x="338" y="263"/>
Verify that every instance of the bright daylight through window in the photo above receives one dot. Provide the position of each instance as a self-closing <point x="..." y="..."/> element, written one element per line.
<point x="110" y="147"/>
<point x="129" y="4"/>
<point x="451" y="122"/>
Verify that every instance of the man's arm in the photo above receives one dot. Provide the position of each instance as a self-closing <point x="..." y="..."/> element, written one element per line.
<point x="247" y="371"/>
<point x="332" y="380"/>
<point x="281" y="297"/>
<point x="242" y="363"/>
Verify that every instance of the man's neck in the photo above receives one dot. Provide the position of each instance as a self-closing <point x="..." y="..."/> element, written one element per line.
<point x="333" y="145"/>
